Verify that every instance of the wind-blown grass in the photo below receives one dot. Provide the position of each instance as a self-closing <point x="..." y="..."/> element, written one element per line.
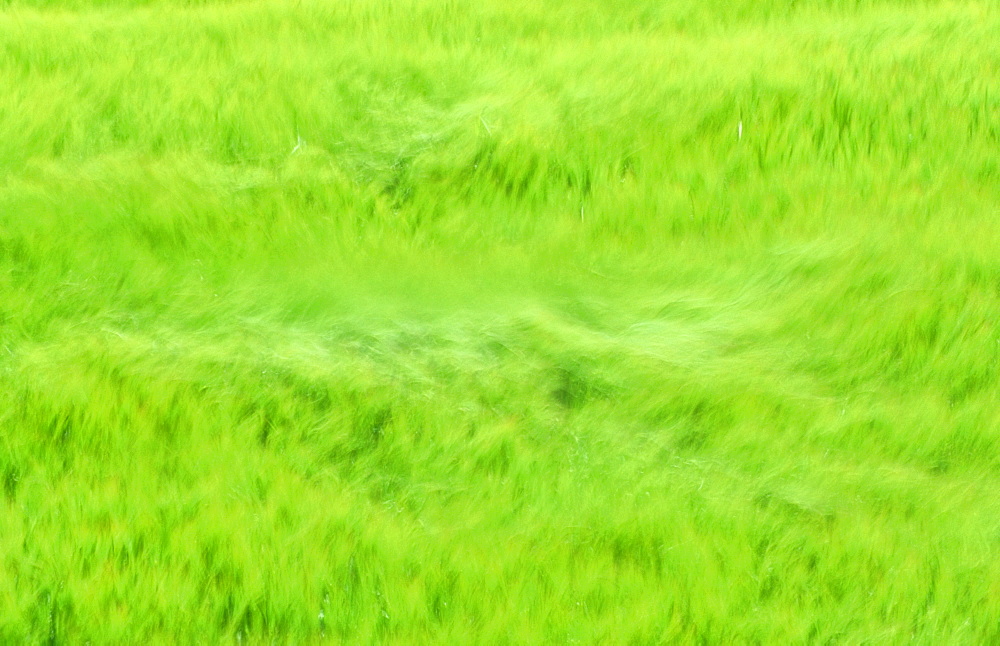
<point x="454" y="322"/>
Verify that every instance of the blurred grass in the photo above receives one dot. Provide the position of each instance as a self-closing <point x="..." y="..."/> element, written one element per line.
<point x="414" y="322"/>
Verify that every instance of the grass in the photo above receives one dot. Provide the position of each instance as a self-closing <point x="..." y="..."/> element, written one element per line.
<point x="454" y="322"/>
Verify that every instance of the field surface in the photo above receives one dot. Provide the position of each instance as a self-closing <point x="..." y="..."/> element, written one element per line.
<point x="499" y="322"/>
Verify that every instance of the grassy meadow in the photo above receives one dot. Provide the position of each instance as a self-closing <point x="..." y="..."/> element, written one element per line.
<point x="499" y="322"/>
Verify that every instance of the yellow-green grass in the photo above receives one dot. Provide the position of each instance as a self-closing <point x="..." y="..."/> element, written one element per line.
<point x="499" y="322"/>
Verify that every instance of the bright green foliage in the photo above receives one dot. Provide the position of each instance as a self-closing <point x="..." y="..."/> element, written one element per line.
<point x="441" y="321"/>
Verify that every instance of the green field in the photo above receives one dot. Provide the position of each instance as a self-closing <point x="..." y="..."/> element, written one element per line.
<point x="499" y="322"/>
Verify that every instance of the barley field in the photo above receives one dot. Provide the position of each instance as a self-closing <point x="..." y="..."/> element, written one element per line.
<point x="499" y="322"/>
